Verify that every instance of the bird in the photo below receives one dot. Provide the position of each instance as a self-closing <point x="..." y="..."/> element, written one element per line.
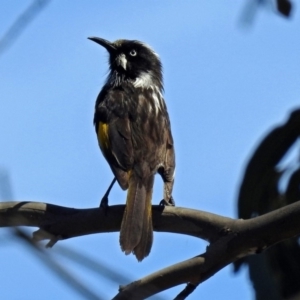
<point x="134" y="134"/>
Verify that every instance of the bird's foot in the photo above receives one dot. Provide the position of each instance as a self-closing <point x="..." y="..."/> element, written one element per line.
<point x="169" y="202"/>
<point x="104" y="204"/>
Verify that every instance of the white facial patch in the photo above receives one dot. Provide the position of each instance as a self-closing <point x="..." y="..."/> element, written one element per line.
<point x="121" y="61"/>
<point x="144" y="80"/>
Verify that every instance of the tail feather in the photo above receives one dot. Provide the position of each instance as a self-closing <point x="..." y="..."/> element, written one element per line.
<point x="143" y="248"/>
<point x="136" y="232"/>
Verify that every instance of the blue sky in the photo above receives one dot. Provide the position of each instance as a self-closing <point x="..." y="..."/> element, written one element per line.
<point x="226" y="86"/>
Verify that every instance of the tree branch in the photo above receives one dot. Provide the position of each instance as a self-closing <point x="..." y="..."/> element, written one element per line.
<point x="229" y="239"/>
<point x="64" y="222"/>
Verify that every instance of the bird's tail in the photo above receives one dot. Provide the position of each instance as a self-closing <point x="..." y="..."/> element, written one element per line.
<point x="136" y="234"/>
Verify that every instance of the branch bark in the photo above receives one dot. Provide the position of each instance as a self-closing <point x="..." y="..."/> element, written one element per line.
<point x="229" y="239"/>
<point x="65" y="222"/>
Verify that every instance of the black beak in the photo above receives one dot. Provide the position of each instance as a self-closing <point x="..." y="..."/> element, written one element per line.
<point x="104" y="43"/>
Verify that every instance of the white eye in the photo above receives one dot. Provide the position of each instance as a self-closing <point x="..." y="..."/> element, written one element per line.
<point x="132" y="52"/>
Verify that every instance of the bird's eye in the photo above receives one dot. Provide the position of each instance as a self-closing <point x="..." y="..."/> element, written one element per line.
<point x="132" y="52"/>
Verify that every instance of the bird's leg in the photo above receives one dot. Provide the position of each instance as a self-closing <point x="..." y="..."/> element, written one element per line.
<point x="168" y="199"/>
<point x="168" y="178"/>
<point x="104" y="200"/>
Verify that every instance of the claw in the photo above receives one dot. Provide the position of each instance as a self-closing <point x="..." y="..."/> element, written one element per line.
<point x="104" y="204"/>
<point x="169" y="202"/>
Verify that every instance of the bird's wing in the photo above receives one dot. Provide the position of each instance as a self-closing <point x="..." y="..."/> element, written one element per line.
<point x="114" y="133"/>
<point x="119" y="132"/>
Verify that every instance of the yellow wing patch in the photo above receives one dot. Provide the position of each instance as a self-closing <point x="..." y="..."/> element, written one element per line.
<point x="103" y="137"/>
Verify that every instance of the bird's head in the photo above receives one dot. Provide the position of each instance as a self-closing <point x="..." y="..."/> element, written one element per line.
<point x="134" y="61"/>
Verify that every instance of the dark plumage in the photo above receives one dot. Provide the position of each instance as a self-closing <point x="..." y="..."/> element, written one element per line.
<point x="134" y="134"/>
